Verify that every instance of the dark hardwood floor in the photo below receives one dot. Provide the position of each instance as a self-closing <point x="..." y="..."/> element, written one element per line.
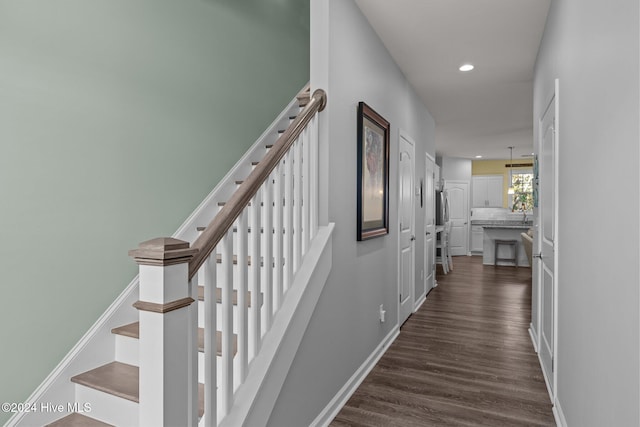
<point x="464" y="359"/>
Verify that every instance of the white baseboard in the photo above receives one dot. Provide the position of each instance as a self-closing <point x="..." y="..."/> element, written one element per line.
<point x="534" y="337"/>
<point x="418" y="304"/>
<point x="559" y="415"/>
<point x="546" y="381"/>
<point x="340" y="399"/>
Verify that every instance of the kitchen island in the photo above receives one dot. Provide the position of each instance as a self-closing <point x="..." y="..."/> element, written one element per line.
<point x="502" y="230"/>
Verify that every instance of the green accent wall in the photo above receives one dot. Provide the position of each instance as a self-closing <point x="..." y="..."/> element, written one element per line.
<point x="117" y="118"/>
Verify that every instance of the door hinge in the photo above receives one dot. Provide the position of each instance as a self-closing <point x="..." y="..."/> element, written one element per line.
<point x="552" y="365"/>
<point x="400" y="299"/>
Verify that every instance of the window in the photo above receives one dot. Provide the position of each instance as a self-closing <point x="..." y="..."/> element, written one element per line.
<point x="522" y="182"/>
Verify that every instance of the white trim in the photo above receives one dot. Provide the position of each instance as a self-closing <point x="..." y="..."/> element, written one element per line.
<point x="419" y="303"/>
<point x="556" y="267"/>
<point x="534" y="337"/>
<point x="429" y="264"/>
<point x="558" y="415"/>
<point x="536" y="267"/>
<point x="546" y="379"/>
<point x="432" y="159"/>
<point x="330" y="411"/>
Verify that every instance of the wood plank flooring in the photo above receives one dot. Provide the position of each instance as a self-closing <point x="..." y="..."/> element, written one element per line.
<point x="464" y="359"/>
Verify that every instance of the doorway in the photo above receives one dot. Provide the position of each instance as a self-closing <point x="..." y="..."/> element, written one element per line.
<point x="458" y="194"/>
<point x="547" y="279"/>
<point x="429" y="224"/>
<point x="406" y="235"/>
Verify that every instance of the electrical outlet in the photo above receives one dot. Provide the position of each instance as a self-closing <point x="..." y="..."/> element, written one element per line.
<point x="382" y="313"/>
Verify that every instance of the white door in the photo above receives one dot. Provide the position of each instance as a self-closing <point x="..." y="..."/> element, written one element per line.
<point x="548" y="214"/>
<point x="429" y="225"/>
<point x="407" y="233"/>
<point x="458" y="193"/>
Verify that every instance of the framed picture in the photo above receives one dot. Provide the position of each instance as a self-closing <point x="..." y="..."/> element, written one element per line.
<point x="373" y="174"/>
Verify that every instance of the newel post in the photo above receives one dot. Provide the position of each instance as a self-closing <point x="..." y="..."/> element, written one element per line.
<point x="165" y="348"/>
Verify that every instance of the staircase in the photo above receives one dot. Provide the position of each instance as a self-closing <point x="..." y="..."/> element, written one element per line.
<point x="214" y="307"/>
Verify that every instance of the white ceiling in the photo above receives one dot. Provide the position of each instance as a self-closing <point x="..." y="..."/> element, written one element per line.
<point x="481" y="112"/>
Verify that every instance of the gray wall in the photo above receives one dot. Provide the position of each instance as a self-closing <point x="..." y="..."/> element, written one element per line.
<point x="592" y="47"/>
<point x="345" y="329"/>
<point x="456" y="169"/>
<point x="116" y="119"/>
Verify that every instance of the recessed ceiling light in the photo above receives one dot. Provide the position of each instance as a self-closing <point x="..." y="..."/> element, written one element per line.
<point x="466" y="67"/>
<point x="478" y="157"/>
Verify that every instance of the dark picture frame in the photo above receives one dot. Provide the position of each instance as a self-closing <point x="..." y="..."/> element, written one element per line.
<point x="373" y="174"/>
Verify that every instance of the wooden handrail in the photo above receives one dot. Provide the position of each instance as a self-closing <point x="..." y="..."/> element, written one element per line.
<point x="221" y="223"/>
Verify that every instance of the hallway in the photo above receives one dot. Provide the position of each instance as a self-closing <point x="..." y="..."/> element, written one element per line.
<point x="464" y="359"/>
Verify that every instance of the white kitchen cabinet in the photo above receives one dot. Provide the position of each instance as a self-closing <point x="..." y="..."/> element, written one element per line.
<point x="495" y="191"/>
<point x="479" y="192"/>
<point x="487" y="191"/>
<point x="477" y="234"/>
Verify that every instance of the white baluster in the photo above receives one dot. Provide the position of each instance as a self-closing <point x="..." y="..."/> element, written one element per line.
<point x="288" y="214"/>
<point x="226" y="383"/>
<point x="297" y="202"/>
<point x="267" y="279"/>
<point x="277" y="238"/>
<point x="306" y="206"/>
<point x="255" y="335"/>
<point x="208" y="278"/>
<point x="193" y="360"/>
<point x="314" y="179"/>
<point x="242" y="317"/>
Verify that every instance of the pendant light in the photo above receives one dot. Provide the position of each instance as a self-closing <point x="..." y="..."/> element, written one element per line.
<point x="511" y="190"/>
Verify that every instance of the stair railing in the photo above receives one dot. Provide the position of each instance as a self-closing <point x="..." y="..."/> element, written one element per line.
<point x="280" y="194"/>
<point x="251" y="250"/>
